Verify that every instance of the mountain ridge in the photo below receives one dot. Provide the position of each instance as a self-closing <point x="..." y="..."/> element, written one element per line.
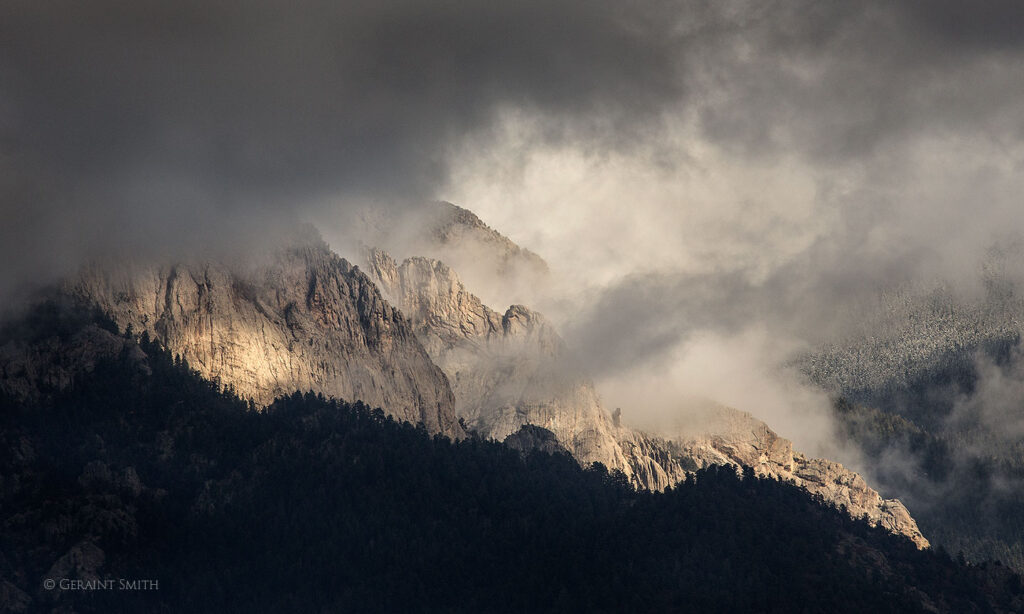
<point x="304" y="320"/>
<point x="510" y="370"/>
<point x="318" y="505"/>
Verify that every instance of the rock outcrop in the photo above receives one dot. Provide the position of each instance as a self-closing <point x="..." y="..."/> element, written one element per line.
<point x="495" y="267"/>
<point x="33" y="361"/>
<point x="531" y="438"/>
<point x="730" y="437"/>
<point x="303" y="320"/>
<point x="509" y="370"/>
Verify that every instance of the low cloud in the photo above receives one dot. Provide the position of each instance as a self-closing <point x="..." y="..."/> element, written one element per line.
<point x="825" y="155"/>
<point x="741" y="369"/>
<point x="172" y="126"/>
<point x="688" y="169"/>
<point x="992" y="415"/>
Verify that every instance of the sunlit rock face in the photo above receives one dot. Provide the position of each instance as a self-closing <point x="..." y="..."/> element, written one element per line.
<point x="511" y="369"/>
<point x="303" y="319"/>
<point x="723" y="436"/>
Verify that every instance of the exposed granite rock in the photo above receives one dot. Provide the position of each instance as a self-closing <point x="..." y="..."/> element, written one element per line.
<point x="730" y="437"/>
<point x="654" y="462"/>
<point x="509" y="370"/>
<point x="303" y="320"/>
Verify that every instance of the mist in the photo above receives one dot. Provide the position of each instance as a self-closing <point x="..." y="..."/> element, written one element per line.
<point x="824" y="158"/>
<point x="716" y="186"/>
<point x="164" y="128"/>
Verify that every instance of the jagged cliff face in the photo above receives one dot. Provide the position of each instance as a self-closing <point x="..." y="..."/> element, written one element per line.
<point x="508" y="370"/>
<point x="491" y="359"/>
<point x="304" y="320"/>
<point x="729" y="437"/>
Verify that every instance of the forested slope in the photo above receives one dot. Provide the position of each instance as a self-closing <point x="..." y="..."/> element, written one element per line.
<point x="145" y="470"/>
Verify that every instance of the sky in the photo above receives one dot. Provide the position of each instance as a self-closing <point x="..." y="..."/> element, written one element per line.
<point x="692" y="171"/>
<point x="820" y="155"/>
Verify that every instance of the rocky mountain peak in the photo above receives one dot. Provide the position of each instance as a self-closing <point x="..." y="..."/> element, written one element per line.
<point x="511" y="375"/>
<point x="507" y="370"/>
<point x="422" y="347"/>
<point x="302" y="318"/>
<point x="520" y="320"/>
<point x="499" y="271"/>
<point x="455" y="226"/>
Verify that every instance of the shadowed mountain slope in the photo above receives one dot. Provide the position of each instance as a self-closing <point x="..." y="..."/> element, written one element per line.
<point x="511" y="370"/>
<point x="141" y="469"/>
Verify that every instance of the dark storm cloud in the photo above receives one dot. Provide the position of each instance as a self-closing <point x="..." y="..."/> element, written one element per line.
<point x="161" y="123"/>
<point x="169" y="118"/>
<point x="837" y="81"/>
<point x="274" y="93"/>
<point x="864" y="90"/>
<point x="993" y="24"/>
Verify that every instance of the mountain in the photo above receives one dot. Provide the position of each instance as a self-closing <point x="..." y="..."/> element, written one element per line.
<point x="512" y="370"/>
<point x="143" y="471"/>
<point x="303" y="319"/>
<point x="426" y="351"/>
<point x="461" y="236"/>
<point x="917" y="348"/>
<point x="725" y="436"/>
<point x="498" y="270"/>
<point x="509" y="370"/>
<point x="931" y="387"/>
